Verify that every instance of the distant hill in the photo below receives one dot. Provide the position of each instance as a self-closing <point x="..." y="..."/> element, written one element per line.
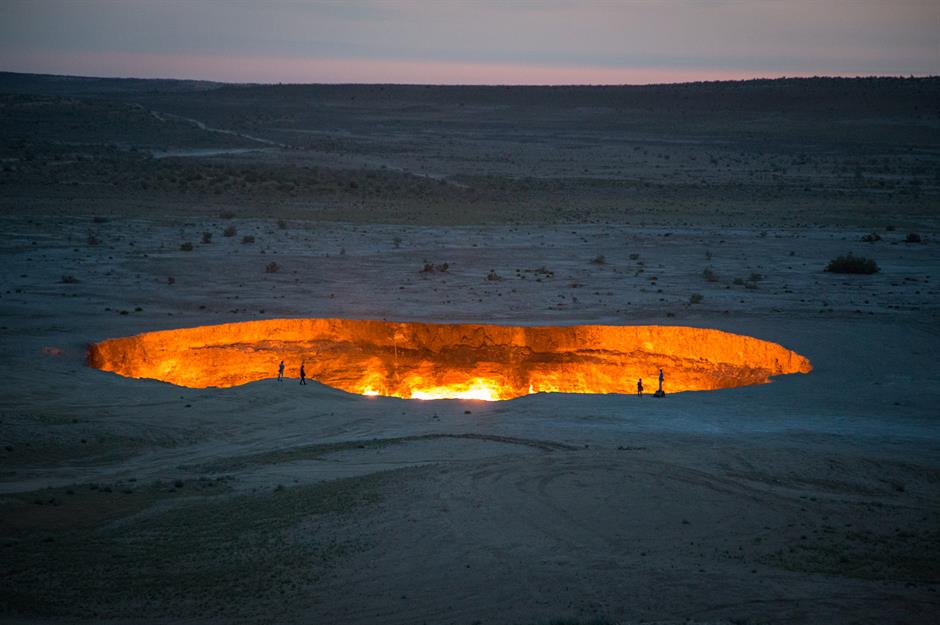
<point x="72" y="86"/>
<point x="812" y="96"/>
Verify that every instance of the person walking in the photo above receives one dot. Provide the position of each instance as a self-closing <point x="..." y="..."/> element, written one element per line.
<point x="280" y="372"/>
<point x="639" y="387"/>
<point x="303" y="374"/>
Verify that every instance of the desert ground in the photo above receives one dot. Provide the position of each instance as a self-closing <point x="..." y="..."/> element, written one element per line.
<point x="812" y="499"/>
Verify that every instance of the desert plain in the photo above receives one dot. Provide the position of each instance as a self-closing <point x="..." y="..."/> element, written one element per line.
<point x="131" y="206"/>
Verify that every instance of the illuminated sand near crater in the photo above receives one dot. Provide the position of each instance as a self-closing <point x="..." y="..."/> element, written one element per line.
<point x="441" y="361"/>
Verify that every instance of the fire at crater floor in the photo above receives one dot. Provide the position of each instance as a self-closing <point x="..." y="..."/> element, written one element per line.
<point x="447" y="361"/>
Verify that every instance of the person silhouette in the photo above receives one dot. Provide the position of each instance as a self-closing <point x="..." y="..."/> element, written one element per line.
<point x="639" y="387"/>
<point x="280" y="372"/>
<point x="303" y="374"/>
<point x="660" y="392"/>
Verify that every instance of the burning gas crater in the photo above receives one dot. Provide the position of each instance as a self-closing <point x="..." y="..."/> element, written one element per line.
<point x="441" y="361"/>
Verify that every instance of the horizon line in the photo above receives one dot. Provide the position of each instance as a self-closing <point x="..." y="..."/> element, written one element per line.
<point x="754" y="78"/>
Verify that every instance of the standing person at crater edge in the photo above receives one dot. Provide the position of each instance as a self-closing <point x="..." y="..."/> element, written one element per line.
<point x="280" y="372"/>
<point x="303" y="374"/>
<point x="639" y="387"/>
<point x="661" y="378"/>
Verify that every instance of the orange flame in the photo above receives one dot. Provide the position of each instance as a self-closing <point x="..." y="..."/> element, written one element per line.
<point x="438" y="361"/>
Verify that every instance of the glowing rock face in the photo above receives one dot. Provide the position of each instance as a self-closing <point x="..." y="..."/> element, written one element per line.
<point x="438" y="361"/>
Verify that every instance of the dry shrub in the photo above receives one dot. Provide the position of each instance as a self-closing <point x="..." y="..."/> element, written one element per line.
<point x="849" y="263"/>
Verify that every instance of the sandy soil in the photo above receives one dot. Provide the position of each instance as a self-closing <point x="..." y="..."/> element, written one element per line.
<point x="813" y="499"/>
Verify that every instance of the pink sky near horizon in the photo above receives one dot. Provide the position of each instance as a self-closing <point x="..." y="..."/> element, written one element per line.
<point x="302" y="70"/>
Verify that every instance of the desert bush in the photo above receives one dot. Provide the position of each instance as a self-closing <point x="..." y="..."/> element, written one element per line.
<point x="871" y="237"/>
<point x="282" y="224"/>
<point x="396" y="242"/>
<point x="226" y="214"/>
<point x="848" y="263"/>
<point x="696" y="298"/>
<point x="248" y="239"/>
<point x="634" y="256"/>
<point x="710" y="275"/>
<point x="431" y="268"/>
<point x="913" y="237"/>
<point x="186" y="247"/>
<point x="170" y="280"/>
<point x="739" y="281"/>
<point x="755" y="277"/>
<point x="207" y="237"/>
<point x="69" y="279"/>
<point x="272" y="267"/>
<point x="230" y="231"/>
<point x="599" y="259"/>
<point x="92" y="240"/>
<point x="492" y="276"/>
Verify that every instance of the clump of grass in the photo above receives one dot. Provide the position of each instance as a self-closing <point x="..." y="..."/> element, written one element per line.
<point x="186" y="247"/>
<point x="849" y="263"/>
<point x="913" y="237"/>
<point x="272" y="267"/>
<point x="492" y="276"/>
<point x="69" y="279"/>
<point x="92" y="240"/>
<point x="207" y="237"/>
<point x="634" y="257"/>
<point x="282" y="224"/>
<point x="247" y="239"/>
<point x="696" y="298"/>
<point x="871" y="237"/>
<point x="230" y="231"/>
<point x="709" y="274"/>
<point x="226" y="214"/>
<point x="599" y="259"/>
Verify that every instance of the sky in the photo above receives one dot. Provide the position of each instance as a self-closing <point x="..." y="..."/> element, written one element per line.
<point x="470" y="41"/>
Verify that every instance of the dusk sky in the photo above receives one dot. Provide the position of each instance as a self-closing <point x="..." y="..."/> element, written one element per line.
<point x="505" y="42"/>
